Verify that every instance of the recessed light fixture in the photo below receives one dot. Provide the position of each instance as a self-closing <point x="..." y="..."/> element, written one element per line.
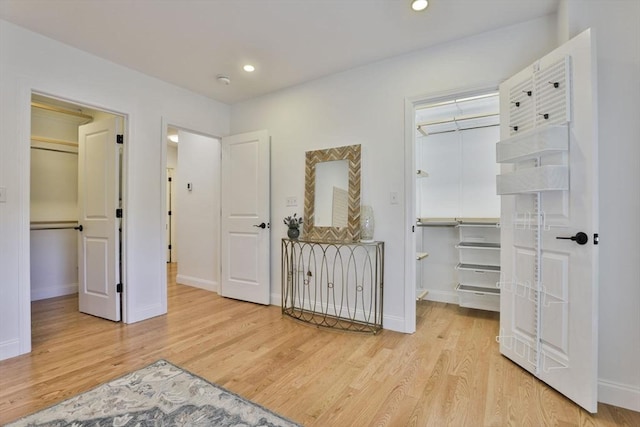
<point x="249" y="68"/>
<point x="419" y="5"/>
<point x="173" y="138"/>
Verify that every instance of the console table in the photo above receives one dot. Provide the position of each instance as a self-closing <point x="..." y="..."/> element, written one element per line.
<point x="336" y="285"/>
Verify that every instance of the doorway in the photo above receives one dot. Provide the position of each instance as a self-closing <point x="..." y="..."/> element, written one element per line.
<point x="192" y="207"/>
<point x="450" y="180"/>
<point x="59" y="238"/>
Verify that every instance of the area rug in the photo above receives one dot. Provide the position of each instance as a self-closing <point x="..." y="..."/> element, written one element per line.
<point x="160" y="394"/>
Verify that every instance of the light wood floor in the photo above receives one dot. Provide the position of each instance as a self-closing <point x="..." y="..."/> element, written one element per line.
<point x="448" y="373"/>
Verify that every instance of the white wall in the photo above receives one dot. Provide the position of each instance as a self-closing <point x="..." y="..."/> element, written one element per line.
<point x="29" y="61"/>
<point x="366" y="106"/>
<point x="615" y="24"/>
<point x="197" y="212"/>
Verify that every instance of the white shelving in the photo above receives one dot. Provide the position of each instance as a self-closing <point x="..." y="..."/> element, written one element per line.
<point x="479" y="266"/>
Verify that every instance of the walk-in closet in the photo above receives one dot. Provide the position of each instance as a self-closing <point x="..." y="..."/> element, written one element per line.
<point x="457" y="209"/>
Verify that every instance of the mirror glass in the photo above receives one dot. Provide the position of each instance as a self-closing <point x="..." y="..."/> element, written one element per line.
<point x="332" y="194"/>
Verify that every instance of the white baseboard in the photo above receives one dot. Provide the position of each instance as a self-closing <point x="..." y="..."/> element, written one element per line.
<point x="616" y="394"/>
<point x="9" y="348"/>
<point x="442" y="296"/>
<point x="196" y="282"/>
<point x="54" y="291"/>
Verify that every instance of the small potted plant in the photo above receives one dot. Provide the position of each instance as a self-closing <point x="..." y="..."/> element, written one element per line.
<point x="293" y="222"/>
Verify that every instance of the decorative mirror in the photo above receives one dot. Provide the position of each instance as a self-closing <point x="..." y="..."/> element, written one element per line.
<point x="332" y="194"/>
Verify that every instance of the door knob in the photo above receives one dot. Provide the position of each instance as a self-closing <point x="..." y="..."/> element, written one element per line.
<point x="263" y="226"/>
<point x="580" y="238"/>
<point x="79" y="228"/>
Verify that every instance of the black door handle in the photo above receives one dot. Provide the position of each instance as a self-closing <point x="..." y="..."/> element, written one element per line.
<point x="263" y="226"/>
<point x="580" y="238"/>
<point x="79" y="228"/>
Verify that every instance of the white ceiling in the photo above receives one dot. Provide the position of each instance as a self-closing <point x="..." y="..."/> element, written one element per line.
<point x="190" y="42"/>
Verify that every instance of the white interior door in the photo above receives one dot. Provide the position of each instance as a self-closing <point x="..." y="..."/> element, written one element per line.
<point x="245" y="217"/>
<point x="98" y="199"/>
<point x="548" y="182"/>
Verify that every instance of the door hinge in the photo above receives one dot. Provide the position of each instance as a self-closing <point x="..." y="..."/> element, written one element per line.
<point x="169" y="213"/>
<point x="119" y="139"/>
<point x="169" y="246"/>
<point x="596" y="238"/>
<point x="119" y="288"/>
<point x="119" y="213"/>
<point x="169" y="179"/>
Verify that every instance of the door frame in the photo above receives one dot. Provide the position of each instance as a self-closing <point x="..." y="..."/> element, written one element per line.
<point x="410" y="106"/>
<point x="24" y="125"/>
<point x="166" y="123"/>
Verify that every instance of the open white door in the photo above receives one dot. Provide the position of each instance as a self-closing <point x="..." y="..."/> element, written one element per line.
<point x="548" y="183"/>
<point x="98" y="199"/>
<point x="245" y="217"/>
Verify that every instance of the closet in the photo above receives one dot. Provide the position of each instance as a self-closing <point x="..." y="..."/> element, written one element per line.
<point x="54" y="195"/>
<point x="457" y="209"/>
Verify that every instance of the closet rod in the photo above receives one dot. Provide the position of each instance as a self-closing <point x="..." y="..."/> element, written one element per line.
<point x="454" y="130"/>
<point x="60" y="110"/>
<point x="54" y="228"/>
<point x="37" y="225"/>
<point x="54" y="149"/>
<point x="458" y="119"/>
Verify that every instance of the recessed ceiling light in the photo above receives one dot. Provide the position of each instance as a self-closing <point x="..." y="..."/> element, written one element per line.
<point x="419" y="5"/>
<point x="173" y="138"/>
<point x="249" y="68"/>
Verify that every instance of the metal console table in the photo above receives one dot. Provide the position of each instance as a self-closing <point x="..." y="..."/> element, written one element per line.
<point x="336" y="285"/>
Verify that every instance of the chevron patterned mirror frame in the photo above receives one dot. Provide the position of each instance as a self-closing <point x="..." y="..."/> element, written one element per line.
<point x="351" y="232"/>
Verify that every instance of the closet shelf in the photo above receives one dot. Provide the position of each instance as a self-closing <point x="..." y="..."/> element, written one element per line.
<point x="476" y="297"/>
<point x="479" y="267"/>
<point x="436" y="222"/>
<point x="477" y="245"/>
<point x="421" y="255"/>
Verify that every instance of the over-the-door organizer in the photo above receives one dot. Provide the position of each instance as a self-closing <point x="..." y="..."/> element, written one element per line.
<point x="536" y="155"/>
<point x="538" y="116"/>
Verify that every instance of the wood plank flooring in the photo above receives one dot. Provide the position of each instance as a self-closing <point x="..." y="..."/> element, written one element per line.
<point x="449" y="373"/>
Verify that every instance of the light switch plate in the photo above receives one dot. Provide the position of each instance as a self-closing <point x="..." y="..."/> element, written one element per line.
<point x="3" y="194"/>
<point x="393" y="198"/>
<point x="292" y="201"/>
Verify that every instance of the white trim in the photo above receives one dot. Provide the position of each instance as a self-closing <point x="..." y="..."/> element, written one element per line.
<point x="617" y="394"/>
<point x="410" y="105"/>
<point x="54" y="291"/>
<point x="10" y="348"/>
<point x="209" y="285"/>
<point x="442" y="296"/>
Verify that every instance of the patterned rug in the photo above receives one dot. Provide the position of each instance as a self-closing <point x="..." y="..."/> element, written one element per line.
<point x="160" y="394"/>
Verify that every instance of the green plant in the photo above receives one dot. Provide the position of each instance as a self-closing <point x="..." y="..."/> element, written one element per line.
<point x="293" y="221"/>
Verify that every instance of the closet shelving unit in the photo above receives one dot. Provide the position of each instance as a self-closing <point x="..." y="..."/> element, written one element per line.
<point x="479" y="266"/>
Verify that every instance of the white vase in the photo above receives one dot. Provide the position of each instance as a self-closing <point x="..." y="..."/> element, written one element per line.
<point x="367" y="224"/>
